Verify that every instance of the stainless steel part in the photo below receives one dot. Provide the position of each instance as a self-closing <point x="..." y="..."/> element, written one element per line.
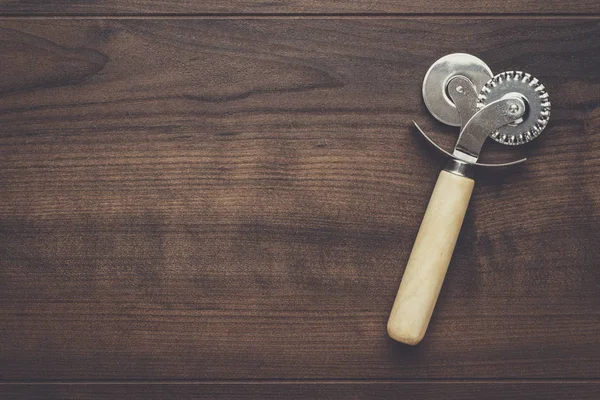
<point x="537" y="114"/>
<point x="493" y="116"/>
<point x="440" y="73"/>
<point x="446" y="153"/>
<point x="464" y="95"/>
<point x="460" y="168"/>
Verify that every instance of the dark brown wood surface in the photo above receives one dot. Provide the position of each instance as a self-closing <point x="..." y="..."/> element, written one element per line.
<point x="328" y="7"/>
<point x="310" y="390"/>
<point x="223" y="207"/>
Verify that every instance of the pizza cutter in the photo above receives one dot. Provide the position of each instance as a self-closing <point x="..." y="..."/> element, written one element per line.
<point x="512" y="108"/>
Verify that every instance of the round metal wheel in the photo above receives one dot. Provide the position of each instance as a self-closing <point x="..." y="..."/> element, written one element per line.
<point x="439" y="74"/>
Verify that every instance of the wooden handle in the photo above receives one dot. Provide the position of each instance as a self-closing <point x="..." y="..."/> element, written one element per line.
<point x="429" y="259"/>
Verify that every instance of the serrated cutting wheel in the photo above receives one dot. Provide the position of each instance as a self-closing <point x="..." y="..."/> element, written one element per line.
<point x="532" y="92"/>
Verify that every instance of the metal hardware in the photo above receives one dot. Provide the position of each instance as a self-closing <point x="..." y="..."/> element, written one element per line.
<point x="483" y="123"/>
<point x="478" y="164"/>
<point x="464" y="95"/>
<point x="511" y="107"/>
<point x="460" y="168"/>
<point x="435" y="84"/>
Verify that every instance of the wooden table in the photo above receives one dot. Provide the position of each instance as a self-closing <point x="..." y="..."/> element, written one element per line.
<point x="217" y="199"/>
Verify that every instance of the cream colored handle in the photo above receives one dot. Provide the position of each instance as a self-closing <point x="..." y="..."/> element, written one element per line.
<point x="429" y="259"/>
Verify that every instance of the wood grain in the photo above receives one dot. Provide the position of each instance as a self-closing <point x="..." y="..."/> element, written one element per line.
<point x="236" y="199"/>
<point x="317" y="390"/>
<point x="352" y="7"/>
